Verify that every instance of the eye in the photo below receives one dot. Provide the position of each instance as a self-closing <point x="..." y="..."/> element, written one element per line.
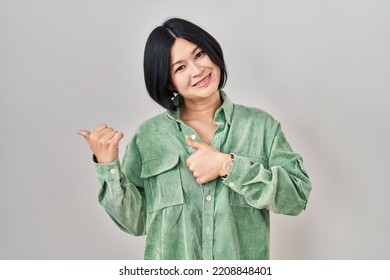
<point x="199" y="54"/>
<point x="181" y="67"/>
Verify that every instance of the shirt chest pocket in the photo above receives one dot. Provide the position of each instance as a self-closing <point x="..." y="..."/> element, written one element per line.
<point x="162" y="182"/>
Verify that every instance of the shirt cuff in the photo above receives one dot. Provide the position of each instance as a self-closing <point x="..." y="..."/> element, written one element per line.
<point x="241" y="165"/>
<point x="107" y="172"/>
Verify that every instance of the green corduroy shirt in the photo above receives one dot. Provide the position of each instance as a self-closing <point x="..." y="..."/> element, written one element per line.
<point x="152" y="191"/>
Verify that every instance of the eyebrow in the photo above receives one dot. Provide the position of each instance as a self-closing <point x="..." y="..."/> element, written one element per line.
<point x="180" y="61"/>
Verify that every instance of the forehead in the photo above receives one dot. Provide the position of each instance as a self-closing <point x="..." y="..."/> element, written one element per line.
<point x="181" y="49"/>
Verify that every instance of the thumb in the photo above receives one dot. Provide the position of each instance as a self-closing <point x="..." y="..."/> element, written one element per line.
<point x="192" y="143"/>
<point x="84" y="133"/>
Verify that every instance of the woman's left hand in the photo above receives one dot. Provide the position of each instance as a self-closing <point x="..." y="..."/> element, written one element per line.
<point x="206" y="163"/>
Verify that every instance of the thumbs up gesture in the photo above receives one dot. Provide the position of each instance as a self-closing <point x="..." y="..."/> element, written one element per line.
<point x="104" y="142"/>
<point x="206" y="163"/>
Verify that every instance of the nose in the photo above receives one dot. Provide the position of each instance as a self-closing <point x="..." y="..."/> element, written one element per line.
<point x="196" y="69"/>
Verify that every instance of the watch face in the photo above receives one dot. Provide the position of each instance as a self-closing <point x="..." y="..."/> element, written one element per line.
<point x="228" y="166"/>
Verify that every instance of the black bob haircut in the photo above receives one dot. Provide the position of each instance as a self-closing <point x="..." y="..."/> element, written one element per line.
<point x="157" y="57"/>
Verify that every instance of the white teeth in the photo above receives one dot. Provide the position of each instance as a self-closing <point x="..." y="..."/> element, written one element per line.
<point x="202" y="82"/>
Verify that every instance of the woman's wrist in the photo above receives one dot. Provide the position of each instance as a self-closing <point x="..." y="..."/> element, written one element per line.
<point x="227" y="166"/>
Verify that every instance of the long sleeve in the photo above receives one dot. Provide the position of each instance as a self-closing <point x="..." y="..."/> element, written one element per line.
<point x="151" y="191"/>
<point x="122" y="193"/>
<point x="283" y="187"/>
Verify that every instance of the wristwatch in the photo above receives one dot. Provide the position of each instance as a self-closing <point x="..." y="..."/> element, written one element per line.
<point x="227" y="166"/>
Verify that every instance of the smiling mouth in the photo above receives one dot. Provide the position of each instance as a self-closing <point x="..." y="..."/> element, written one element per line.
<point x="204" y="81"/>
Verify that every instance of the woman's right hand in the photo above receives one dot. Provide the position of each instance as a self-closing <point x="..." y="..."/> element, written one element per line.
<point x="104" y="142"/>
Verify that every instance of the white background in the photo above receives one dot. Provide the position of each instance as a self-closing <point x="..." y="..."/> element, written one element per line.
<point x="320" y="67"/>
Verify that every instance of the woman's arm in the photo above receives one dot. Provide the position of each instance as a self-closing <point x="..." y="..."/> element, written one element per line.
<point x="282" y="188"/>
<point x="121" y="193"/>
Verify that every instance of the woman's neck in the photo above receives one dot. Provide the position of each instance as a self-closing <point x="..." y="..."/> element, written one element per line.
<point x="203" y="110"/>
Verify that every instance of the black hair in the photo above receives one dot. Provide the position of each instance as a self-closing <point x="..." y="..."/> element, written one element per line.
<point x="157" y="57"/>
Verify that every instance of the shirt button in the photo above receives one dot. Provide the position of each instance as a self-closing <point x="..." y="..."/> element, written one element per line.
<point x="231" y="184"/>
<point x="208" y="198"/>
<point x="193" y="136"/>
<point x="112" y="171"/>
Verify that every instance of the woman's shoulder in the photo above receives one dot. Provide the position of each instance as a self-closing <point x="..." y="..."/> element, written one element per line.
<point x="152" y="121"/>
<point x="253" y="114"/>
<point x="159" y="122"/>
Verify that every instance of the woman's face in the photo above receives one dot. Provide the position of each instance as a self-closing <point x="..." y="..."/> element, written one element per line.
<point x="193" y="74"/>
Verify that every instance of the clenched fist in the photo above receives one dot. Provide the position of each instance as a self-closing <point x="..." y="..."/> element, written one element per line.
<point x="104" y="142"/>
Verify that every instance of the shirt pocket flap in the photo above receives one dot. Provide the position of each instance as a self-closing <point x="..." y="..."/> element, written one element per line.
<point x="258" y="159"/>
<point x="158" y="165"/>
<point x="162" y="182"/>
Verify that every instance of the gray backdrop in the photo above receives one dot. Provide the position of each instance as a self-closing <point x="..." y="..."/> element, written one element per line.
<point x="320" y="67"/>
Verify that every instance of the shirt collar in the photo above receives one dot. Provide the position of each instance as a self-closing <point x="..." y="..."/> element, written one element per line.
<point x="226" y="108"/>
